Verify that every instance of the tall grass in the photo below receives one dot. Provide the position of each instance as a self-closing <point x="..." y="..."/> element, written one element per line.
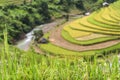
<point x="20" y="65"/>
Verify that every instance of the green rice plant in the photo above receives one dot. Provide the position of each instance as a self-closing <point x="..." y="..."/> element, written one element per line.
<point x="105" y="16"/>
<point x="93" y="21"/>
<point x="85" y="23"/>
<point x="86" y="29"/>
<point x="99" y="19"/>
<point x="115" y="17"/>
<point x="56" y="50"/>
<point x="68" y="37"/>
<point x="115" y="14"/>
<point x="75" y="33"/>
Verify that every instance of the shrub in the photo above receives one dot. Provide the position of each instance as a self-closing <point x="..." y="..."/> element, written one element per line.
<point x="38" y="34"/>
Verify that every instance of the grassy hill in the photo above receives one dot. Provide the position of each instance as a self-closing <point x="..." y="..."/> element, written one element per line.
<point x="20" y="65"/>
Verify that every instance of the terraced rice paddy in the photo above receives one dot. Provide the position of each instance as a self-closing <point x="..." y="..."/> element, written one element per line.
<point x="93" y="34"/>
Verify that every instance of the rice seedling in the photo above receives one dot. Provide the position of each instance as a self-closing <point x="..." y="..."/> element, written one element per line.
<point x="75" y="33"/>
<point x="69" y="38"/>
<point x="99" y="19"/>
<point x="93" y="21"/>
<point x="85" y="23"/>
<point x="105" y="16"/>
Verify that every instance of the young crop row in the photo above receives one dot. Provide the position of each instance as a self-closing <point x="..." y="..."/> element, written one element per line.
<point x="75" y="33"/>
<point x="100" y="20"/>
<point x="86" y="29"/>
<point x="93" y="41"/>
<point x="93" y="21"/>
<point x="85" y="23"/>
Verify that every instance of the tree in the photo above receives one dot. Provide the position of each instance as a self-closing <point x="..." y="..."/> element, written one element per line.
<point x="38" y="34"/>
<point x="44" y="11"/>
<point x="66" y="7"/>
<point x="79" y="4"/>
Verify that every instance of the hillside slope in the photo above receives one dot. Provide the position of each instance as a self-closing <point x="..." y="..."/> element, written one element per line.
<point x="93" y="34"/>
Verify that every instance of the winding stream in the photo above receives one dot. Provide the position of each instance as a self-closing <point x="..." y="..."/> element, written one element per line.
<point x="25" y="43"/>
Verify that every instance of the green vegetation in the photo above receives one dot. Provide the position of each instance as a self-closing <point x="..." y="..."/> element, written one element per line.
<point x="67" y="37"/>
<point x="96" y="23"/>
<point x="38" y="34"/>
<point x="20" y="65"/>
<point x="52" y="49"/>
<point x="9" y="2"/>
<point x="57" y="63"/>
<point x="21" y="16"/>
<point x="22" y="19"/>
<point x="29" y="65"/>
<point x="92" y="21"/>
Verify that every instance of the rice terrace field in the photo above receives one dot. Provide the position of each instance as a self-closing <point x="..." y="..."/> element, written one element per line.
<point x="59" y="39"/>
<point x="90" y="35"/>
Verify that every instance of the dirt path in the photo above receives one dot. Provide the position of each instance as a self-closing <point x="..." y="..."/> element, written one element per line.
<point x="56" y="38"/>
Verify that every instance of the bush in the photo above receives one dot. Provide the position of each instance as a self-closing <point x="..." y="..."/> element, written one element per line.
<point x="28" y="20"/>
<point x="38" y="34"/>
